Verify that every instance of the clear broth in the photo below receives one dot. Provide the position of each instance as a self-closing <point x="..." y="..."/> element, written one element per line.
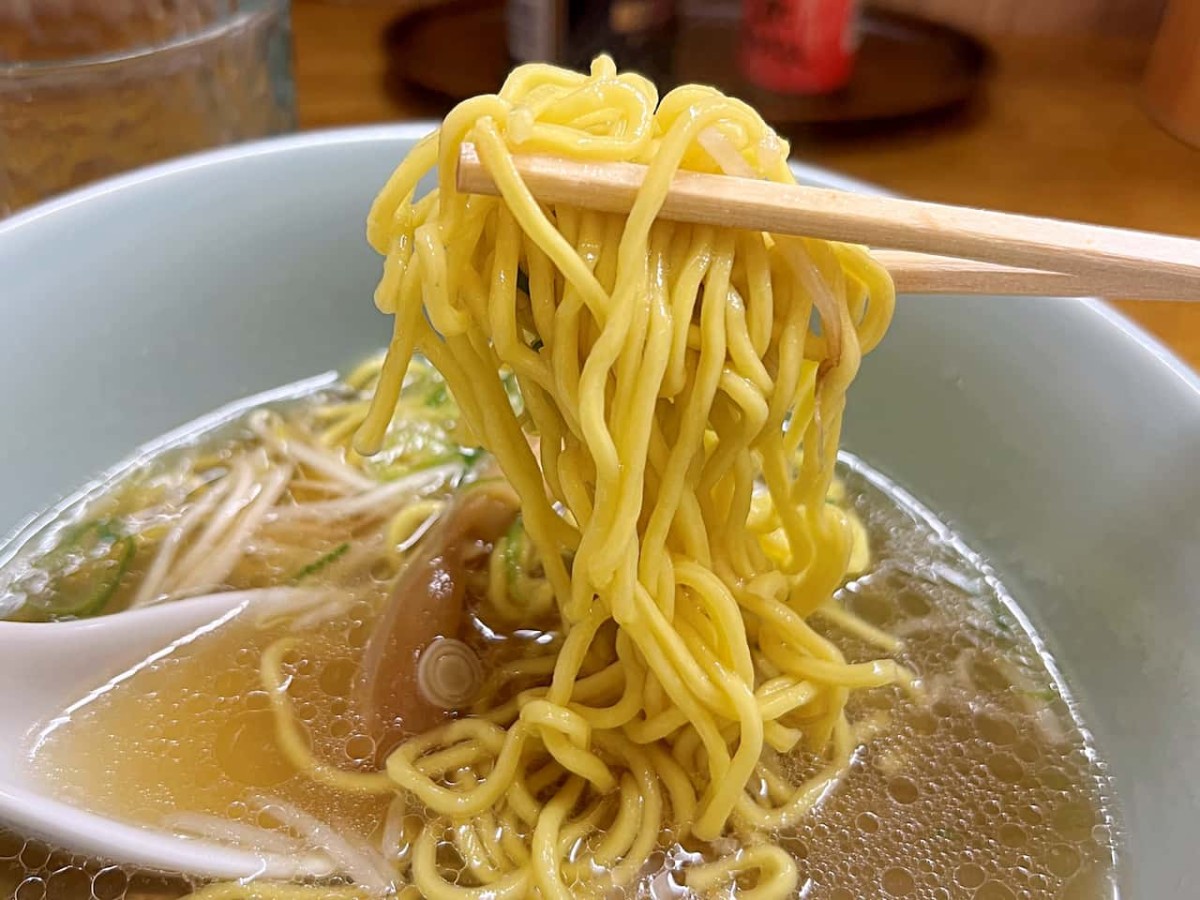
<point x="991" y="789"/>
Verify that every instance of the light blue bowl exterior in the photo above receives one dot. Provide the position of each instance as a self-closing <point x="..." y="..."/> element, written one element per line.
<point x="1058" y="438"/>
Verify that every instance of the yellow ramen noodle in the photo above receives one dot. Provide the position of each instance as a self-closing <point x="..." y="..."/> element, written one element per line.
<point x="681" y="397"/>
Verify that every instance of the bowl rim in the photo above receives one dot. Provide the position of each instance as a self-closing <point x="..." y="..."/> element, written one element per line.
<point x="415" y="129"/>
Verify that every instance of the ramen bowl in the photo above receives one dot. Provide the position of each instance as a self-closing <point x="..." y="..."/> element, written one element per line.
<point x="1052" y="434"/>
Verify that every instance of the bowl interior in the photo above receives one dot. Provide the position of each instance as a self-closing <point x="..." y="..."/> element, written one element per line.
<point x="1058" y="439"/>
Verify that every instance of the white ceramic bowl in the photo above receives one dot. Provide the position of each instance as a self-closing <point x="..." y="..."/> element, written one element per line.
<point x="1057" y="437"/>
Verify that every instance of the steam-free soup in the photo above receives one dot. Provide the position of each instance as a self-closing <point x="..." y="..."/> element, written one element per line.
<point x="982" y="783"/>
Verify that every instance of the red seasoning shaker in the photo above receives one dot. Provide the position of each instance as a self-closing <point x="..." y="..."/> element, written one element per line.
<point x="799" y="46"/>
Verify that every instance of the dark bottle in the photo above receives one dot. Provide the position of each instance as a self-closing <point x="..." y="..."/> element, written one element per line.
<point x="637" y="34"/>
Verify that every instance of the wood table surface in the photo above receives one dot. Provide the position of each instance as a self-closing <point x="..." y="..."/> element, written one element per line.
<point x="1058" y="131"/>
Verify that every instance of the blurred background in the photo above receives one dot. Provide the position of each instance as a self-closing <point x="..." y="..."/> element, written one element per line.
<point x="1085" y="109"/>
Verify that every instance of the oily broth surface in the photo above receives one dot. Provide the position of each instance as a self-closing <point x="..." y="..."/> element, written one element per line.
<point x="990" y="790"/>
<point x="195" y="731"/>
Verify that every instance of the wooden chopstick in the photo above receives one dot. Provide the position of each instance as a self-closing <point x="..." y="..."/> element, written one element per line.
<point x="923" y="273"/>
<point x="1027" y="254"/>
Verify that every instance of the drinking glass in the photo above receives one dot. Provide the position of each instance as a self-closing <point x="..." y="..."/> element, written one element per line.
<point x="93" y="87"/>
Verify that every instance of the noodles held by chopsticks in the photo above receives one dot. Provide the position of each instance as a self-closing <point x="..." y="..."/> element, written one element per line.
<point x="686" y="387"/>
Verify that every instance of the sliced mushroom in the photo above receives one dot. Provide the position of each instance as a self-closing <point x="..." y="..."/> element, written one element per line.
<point x="402" y="687"/>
